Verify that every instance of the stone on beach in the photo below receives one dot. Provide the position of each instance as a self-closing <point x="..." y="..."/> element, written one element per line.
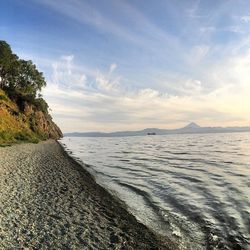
<point x="48" y="201"/>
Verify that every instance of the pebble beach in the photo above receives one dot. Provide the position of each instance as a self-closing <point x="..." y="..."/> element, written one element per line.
<point x="48" y="201"/>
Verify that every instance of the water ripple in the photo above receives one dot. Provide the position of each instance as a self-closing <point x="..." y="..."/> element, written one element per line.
<point x="194" y="188"/>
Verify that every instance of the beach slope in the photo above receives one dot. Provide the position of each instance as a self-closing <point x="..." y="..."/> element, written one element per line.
<point x="48" y="201"/>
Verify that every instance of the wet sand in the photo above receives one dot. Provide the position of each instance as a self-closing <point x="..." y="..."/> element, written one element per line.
<point x="48" y="201"/>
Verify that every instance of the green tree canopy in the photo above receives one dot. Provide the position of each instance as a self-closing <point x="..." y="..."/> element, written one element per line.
<point x="17" y="74"/>
<point x="8" y="65"/>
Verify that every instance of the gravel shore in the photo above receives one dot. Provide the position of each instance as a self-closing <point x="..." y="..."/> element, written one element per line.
<point x="48" y="201"/>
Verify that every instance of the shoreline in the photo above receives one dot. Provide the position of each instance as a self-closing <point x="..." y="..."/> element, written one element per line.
<point x="49" y="199"/>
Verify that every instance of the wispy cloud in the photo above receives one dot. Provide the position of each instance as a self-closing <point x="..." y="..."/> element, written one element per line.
<point x="245" y="19"/>
<point x="86" y="14"/>
<point x="114" y="65"/>
<point x="193" y="10"/>
<point x="144" y="34"/>
<point x="197" y="54"/>
<point x="62" y="73"/>
<point x="108" y="105"/>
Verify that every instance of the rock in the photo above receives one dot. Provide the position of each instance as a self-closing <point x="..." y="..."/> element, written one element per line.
<point x="20" y="120"/>
<point x="114" y="239"/>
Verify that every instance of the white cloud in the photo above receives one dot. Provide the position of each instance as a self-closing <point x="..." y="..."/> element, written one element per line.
<point x="235" y="29"/>
<point x="194" y="11"/>
<point x="245" y="19"/>
<point x="104" y="84"/>
<point x="193" y="87"/>
<point x="68" y="60"/>
<point x="108" y="106"/>
<point x="147" y="35"/>
<point x="62" y="73"/>
<point x="148" y="93"/>
<point x="198" y="54"/>
<point x="209" y="91"/>
<point x="112" y="67"/>
<point x="84" y="13"/>
<point x="207" y="29"/>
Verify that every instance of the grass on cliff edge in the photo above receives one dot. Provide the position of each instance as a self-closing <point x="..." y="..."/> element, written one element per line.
<point x="13" y="128"/>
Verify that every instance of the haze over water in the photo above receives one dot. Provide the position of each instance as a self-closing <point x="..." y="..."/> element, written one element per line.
<point x="193" y="188"/>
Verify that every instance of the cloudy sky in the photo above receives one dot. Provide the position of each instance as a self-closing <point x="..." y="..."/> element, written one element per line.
<point x="118" y="64"/>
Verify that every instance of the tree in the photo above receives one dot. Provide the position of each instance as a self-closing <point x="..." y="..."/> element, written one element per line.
<point x="8" y="65"/>
<point x="30" y="80"/>
<point x="19" y="75"/>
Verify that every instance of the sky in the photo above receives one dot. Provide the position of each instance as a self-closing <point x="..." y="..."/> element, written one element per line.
<point x="115" y="65"/>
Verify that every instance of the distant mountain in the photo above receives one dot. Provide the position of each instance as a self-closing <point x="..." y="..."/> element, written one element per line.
<point x="192" y="125"/>
<point x="191" y="128"/>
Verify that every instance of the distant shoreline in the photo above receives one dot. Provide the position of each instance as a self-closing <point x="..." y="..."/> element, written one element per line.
<point x="48" y="199"/>
<point x="191" y="128"/>
<point x="108" y="135"/>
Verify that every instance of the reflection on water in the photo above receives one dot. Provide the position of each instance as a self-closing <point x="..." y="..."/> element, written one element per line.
<point x="193" y="188"/>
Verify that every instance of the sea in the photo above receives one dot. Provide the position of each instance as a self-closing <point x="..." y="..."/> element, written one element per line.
<point x="191" y="188"/>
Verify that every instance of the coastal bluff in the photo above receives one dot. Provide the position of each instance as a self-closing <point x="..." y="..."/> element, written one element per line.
<point x="23" y="121"/>
<point x="24" y="114"/>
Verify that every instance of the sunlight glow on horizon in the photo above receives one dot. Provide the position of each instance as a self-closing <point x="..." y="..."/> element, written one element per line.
<point x="127" y="66"/>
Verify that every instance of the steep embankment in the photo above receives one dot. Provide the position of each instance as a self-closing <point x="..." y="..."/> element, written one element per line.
<point x="23" y="121"/>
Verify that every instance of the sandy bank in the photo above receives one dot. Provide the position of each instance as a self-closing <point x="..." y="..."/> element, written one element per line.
<point x="49" y="202"/>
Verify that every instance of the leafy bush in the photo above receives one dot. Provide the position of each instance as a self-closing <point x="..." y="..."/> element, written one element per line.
<point x="6" y="136"/>
<point x="26" y="137"/>
<point x="3" y="98"/>
<point x="41" y="105"/>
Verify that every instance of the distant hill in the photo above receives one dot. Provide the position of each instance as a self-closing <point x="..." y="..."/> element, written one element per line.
<point x="191" y="128"/>
<point x="192" y="125"/>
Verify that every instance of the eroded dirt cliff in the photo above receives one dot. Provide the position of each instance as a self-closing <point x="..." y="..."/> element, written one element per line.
<point x="23" y="121"/>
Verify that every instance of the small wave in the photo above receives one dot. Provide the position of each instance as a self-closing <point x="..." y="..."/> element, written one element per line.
<point x="196" y="186"/>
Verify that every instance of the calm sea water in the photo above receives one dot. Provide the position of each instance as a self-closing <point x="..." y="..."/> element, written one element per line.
<point x="192" y="188"/>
